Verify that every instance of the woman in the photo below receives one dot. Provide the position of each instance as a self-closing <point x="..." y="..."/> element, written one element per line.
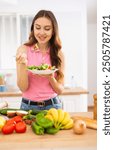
<point x="44" y="47"/>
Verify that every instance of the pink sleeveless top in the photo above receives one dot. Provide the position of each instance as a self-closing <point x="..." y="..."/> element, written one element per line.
<point x="39" y="87"/>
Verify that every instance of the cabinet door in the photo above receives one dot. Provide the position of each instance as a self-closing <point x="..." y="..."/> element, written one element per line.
<point x="74" y="103"/>
<point x="13" y="102"/>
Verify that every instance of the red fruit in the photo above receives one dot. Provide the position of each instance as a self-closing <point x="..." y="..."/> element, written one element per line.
<point x="20" y="127"/>
<point x="10" y="121"/>
<point x="8" y="128"/>
<point x="17" y="119"/>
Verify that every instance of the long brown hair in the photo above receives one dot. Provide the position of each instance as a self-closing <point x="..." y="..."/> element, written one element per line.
<point x="55" y="43"/>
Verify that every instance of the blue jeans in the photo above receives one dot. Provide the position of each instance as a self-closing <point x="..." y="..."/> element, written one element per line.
<point x="28" y="106"/>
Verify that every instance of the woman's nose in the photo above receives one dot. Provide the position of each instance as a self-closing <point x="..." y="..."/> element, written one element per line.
<point x="42" y="31"/>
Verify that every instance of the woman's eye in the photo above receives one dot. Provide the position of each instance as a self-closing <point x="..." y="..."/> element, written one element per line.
<point x="37" y="28"/>
<point x="47" y="29"/>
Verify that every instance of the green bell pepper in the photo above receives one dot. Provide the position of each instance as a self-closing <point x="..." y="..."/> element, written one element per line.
<point x="52" y="130"/>
<point x="37" y="129"/>
<point x="43" y="122"/>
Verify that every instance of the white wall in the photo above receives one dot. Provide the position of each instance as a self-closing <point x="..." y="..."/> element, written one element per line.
<point x="92" y="61"/>
<point x="78" y="35"/>
<point x="32" y="6"/>
<point x="72" y="19"/>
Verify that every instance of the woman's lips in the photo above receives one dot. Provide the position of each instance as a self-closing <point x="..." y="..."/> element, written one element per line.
<point x="42" y="38"/>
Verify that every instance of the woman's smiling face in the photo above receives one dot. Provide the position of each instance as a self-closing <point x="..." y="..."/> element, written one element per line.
<point x="43" y="30"/>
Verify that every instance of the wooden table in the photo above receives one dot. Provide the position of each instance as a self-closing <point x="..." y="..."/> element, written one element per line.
<point x="63" y="140"/>
<point x="67" y="91"/>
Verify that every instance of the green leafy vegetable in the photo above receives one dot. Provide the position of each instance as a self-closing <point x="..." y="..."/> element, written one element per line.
<point x="41" y="67"/>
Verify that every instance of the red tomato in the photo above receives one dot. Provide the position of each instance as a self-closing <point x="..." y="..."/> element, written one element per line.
<point x="17" y="119"/>
<point x="10" y="121"/>
<point x="8" y="128"/>
<point x="20" y="127"/>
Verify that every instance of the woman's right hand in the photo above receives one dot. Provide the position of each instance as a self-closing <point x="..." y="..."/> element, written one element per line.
<point x="21" y="58"/>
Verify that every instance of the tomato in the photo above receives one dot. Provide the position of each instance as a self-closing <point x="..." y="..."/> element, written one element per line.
<point x="20" y="127"/>
<point x="17" y="119"/>
<point x="10" y="121"/>
<point x="8" y="128"/>
<point x="16" y="123"/>
<point x="14" y="120"/>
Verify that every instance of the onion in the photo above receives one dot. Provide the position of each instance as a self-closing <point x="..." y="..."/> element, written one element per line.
<point x="79" y="127"/>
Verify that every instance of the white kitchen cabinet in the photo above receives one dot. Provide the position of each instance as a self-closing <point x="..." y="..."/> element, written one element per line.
<point x="74" y="100"/>
<point x="75" y="103"/>
<point x="13" y="102"/>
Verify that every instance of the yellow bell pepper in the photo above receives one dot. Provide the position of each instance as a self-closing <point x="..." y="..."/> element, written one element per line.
<point x="2" y="122"/>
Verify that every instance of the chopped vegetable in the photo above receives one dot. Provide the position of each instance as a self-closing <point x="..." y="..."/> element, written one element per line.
<point x="4" y="110"/>
<point x="41" y="67"/>
<point x="11" y="113"/>
<point x="21" y="113"/>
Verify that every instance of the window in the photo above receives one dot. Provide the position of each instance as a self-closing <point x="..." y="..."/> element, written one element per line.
<point x="25" y="23"/>
<point x="14" y="30"/>
<point x="8" y="41"/>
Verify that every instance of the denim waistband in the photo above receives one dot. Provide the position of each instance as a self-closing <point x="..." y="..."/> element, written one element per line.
<point x="51" y="101"/>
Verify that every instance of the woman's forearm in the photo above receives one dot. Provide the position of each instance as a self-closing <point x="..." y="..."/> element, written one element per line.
<point x="58" y="87"/>
<point x="22" y="77"/>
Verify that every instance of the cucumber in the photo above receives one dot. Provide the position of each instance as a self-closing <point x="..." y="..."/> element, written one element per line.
<point x="35" y="111"/>
<point x="4" y="111"/>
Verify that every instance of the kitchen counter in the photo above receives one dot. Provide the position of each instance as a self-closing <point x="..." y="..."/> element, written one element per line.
<point x="64" y="139"/>
<point x="67" y="91"/>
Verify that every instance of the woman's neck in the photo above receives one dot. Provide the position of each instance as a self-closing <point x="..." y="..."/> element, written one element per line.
<point x="43" y="47"/>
